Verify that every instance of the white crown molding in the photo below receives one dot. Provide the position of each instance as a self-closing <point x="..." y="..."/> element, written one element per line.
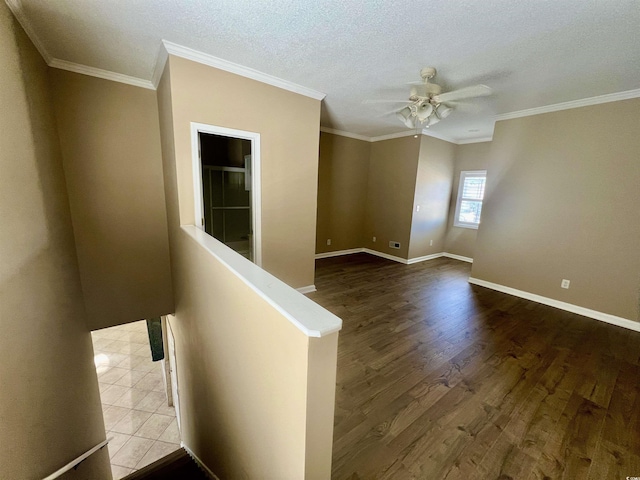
<point x="161" y="61"/>
<point x="227" y="66"/>
<point x="585" y="102"/>
<point x="18" y="11"/>
<point x="99" y="73"/>
<point x="391" y="136"/>
<point x="345" y="134"/>
<point x="569" y="307"/>
<point x="474" y="140"/>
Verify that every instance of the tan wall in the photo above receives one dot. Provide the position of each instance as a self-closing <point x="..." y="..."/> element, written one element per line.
<point x="343" y="172"/>
<point x="562" y="202"/>
<point x="111" y="150"/>
<point x="256" y="394"/>
<point x="288" y="124"/>
<point x="472" y="156"/>
<point x="50" y="410"/>
<point x="432" y="195"/>
<point x="390" y="194"/>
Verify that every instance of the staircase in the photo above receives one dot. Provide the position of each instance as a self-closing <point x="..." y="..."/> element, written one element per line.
<point x="177" y="465"/>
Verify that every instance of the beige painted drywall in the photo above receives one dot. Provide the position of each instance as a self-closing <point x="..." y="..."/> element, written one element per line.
<point x="472" y="156"/>
<point x="256" y="395"/>
<point x="562" y="203"/>
<point x="393" y="167"/>
<point x="111" y="153"/>
<point x="50" y="410"/>
<point x="432" y="196"/>
<point x="343" y="173"/>
<point x="288" y="124"/>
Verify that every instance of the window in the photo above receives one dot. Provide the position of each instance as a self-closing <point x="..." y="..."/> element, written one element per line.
<point x="470" y="196"/>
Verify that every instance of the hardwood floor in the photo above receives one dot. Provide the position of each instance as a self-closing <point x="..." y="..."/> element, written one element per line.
<point x="441" y="379"/>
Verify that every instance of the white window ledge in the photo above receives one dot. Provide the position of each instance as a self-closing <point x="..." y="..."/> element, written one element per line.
<point x="308" y="316"/>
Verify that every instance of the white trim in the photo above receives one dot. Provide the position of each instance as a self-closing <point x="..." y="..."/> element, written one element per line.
<point x="227" y="66"/>
<point x="474" y="140"/>
<point x="585" y="102"/>
<point x="18" y="11"/>
<point x="430" y="133"/>
<point x="457" y="257"/>
<point x="391" y="136"/>
<point x="307" y="289"/>
<point x="341" y="133"/>
<point x="385" y="255"/>
<point x="338" y="253"/>
<point x="308" y="316"/>
<point x="75" y="462"/>
<point x="424" y="258"/>
<point x="99" y="73"/>
<point x="411" y="261"/>
<point x="256" y="179"/>
<point x="569" y="307"/>
<point x="200" y="463"/>
<point x="161" y="61"/>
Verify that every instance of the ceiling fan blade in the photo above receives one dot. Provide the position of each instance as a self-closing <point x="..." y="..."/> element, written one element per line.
<point x="386" y="101"/>
<point x="468" y="92"/>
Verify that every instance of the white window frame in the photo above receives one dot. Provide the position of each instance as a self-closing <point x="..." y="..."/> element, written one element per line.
<point x="256" y="207"/>
<point x="463" y="175"/>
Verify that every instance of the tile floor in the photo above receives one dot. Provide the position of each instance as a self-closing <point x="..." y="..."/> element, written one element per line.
<point x="142" y="426"/>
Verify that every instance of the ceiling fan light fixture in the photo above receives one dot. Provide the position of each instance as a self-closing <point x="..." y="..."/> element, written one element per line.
<point x="442" y="111"/>
<point x="406" y="116"/>
<point x="425" y="109"/>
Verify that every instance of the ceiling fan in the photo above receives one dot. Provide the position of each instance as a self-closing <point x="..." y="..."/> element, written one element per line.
<point x="428" y="105"/>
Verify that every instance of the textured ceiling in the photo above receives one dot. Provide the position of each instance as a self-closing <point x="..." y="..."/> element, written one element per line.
<point x="530" y="52"/>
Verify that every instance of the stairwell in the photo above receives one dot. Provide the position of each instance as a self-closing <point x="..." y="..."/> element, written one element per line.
<point x="177" y="465"/>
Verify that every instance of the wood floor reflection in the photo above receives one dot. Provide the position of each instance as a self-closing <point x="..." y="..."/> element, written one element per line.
<point x="441" y="379"/>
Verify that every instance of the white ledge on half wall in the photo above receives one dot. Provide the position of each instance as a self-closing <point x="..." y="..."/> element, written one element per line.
<point x="569" y="307"/>
<point x="308" y="316"/>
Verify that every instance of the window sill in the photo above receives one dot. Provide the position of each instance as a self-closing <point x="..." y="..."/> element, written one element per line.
<point x="465" y="225"/>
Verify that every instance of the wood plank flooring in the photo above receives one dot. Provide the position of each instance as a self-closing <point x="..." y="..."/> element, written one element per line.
<point x="439" y="379"/>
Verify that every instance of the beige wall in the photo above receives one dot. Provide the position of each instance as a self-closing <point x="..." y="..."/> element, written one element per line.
<point x="472" y="156"/>
<point x="390" y="194"/>
<point x="288" y="124"/>
<point x="432" y="195"/>
<point x="343" y="172"/>
<point x="256" y="394"/>
<point x="562" y="202"/>
<point x="111" y="152"/>
<point x="50" y="410"/>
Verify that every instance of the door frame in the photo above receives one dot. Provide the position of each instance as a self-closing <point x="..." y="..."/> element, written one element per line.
<point x="256" y="193"/>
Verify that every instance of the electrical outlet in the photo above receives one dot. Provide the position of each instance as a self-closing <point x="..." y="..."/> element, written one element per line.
<point x="431" y="243"/>
<point x="394" y="244"/>
<point x="565" y="283"/>
<point x="328" y="241"/>
<point x="374" y="239"/>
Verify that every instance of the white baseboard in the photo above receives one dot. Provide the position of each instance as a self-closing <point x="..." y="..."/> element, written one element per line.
<point x="307" y="289"/>
<point x="569" y="307"/>
<point x="410" y="261"/>
<point x="385" y="255"/>
<point x="424" y="258"/>
<point x="337" y="253"/>
<point x="458" y="257"/>
<point x="212" y="475"/>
